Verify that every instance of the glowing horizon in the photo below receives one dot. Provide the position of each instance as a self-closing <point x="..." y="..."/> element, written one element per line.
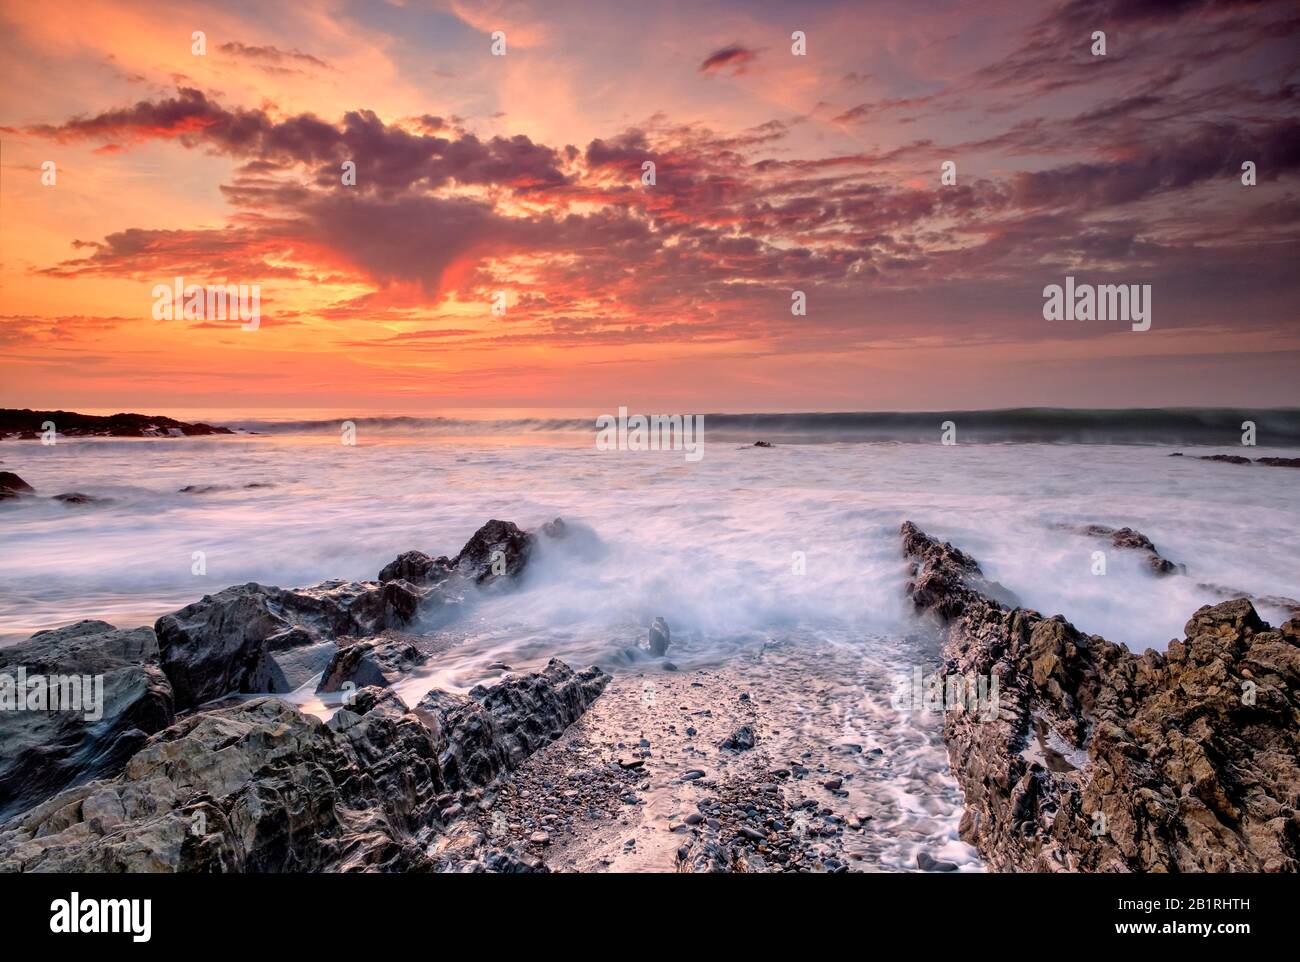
<point x="522" y="174"/>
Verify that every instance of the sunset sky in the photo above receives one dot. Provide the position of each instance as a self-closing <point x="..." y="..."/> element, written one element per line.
<point x="774" y="173"/>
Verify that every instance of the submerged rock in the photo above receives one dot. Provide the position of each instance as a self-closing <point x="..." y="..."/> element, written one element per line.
<point x="660" y="637"/>
<point x="259" y="786"/>
<point x="1189" y="761"/>
<point x="1128" y="539"/>
<point x="76" y="497"/>
<point x="12" y="486"/>
<point x="1279" y="462"/>
<point x="44" y="751"/>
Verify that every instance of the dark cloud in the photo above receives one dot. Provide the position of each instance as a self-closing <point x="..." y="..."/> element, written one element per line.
<point x="734" y="58"/>
<point x="272" y="57"/>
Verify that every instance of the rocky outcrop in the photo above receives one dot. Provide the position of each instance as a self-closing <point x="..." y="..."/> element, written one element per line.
<point x="26" y="423"/>
<point x="1272" y="462"/>
<point x="499" y="549"/>
<point x="250" y="638"/>
<point x="258" y="638"/>
<point x="417" y="568"/>
<point x="1182" y="761"/>
<point x="493" y="729"/>
<point x="1128" y="539"/>
<point x="258" y="786"/>
<point x="12" y="486"/>
<point x="43" y="751"/>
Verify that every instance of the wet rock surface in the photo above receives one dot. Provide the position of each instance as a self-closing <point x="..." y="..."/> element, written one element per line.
<point x="44" y="751"/>
<point x="1128" y="539"/>
<point x="234" y="641"/>
<point x="12" y="486"/>
<point x="259" y="786"/>
<point x="1182" y="761"/>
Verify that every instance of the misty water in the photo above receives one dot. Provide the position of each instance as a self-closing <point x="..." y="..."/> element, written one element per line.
<point x="780" y="566"/>
<point x="712" y="546"/>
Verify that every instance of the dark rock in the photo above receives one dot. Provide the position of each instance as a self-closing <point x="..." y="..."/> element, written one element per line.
<point x="260" y="787"/>
<point x="762" y="444"/>
<point x="1225" y="458"/>
<point x="371" y="661"/>
<point x="229" y="642"/>
<point x="42" y="751"/>
<point x="1279" y="462"/>
<point x="76" y="497"/>
<point x="1189" y="761"/>
<point x="499" y="549"/>
<point x="12" y="486"/>
<point x="660" y="637"/>
<point x="741" y="740"/>
<point x="928" y="863"/>
<point x="1127" y="539"/>
<point x="493" y="729"/>
<point x="417" y="568"/>
<point x="26" y="423"/>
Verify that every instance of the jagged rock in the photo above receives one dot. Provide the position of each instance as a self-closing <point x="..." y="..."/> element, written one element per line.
<point x="43" y="752"/>
<point x="741" y="740"/>
<point x="371" y="661"/>
<point x="417" y="568"/>
<point x="1225" y="458"/>
<point x="259" y="786"/>
<point x="25" y="424"/>
<point x="1279" y="462"/>
<point x="1128" y="539"/>
<point x="1188" y="761"/>
<point x="499" y="549"/>
<point x="660" y="637"/>
<point x="1289" y="605"/>
<point x="237" y="639"/>
<point x="493" y="729"/>
<point x="555" y="529"/>
<point x="12" y="486"/>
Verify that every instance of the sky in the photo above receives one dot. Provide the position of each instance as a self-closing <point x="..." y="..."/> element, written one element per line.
<point x="501" y="246"/>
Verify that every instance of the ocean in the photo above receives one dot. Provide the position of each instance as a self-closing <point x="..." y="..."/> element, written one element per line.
<point x="777" y="568"/>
